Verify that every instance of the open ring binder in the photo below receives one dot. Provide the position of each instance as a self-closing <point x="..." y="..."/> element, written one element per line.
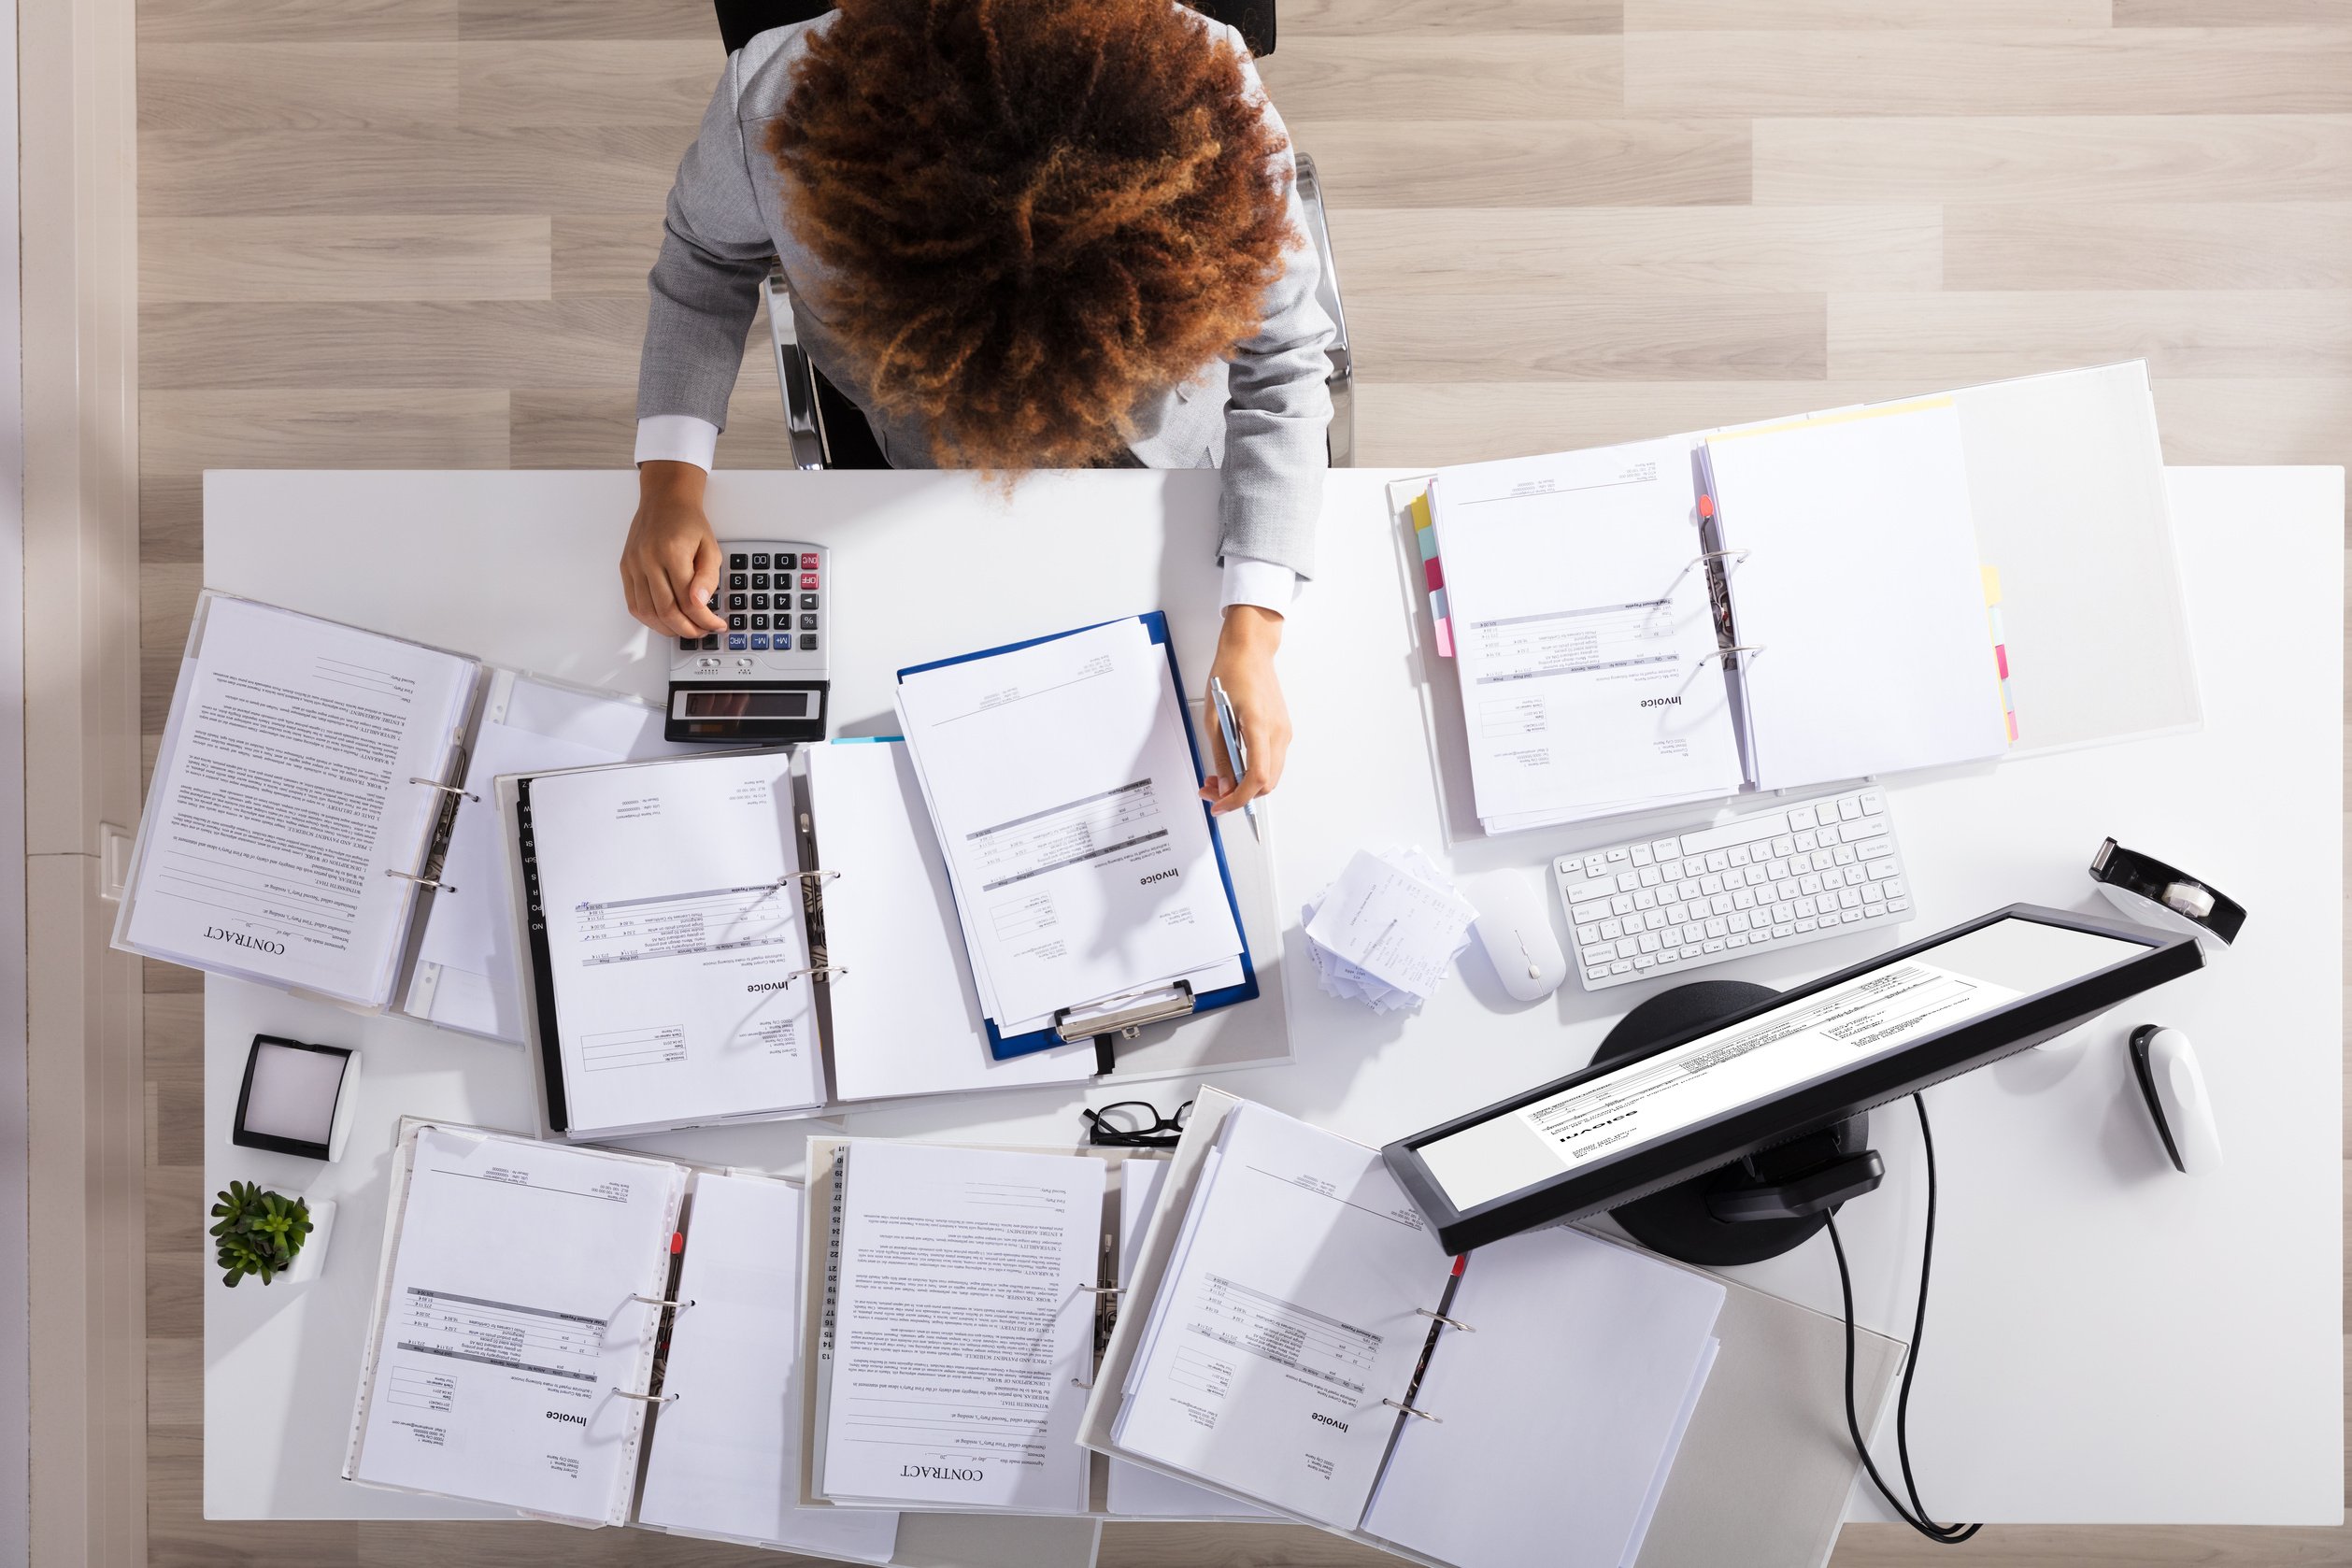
<point x="664" y="1301"/>
<point x="1410" y="1411"/>
<point x="645" y="1399"/>
<point x="446" y="789"/>
<point x="806" y="876"/>
<point x="821" y="971"/>
<point x="1449" y="1322"/>
<point x="435" y="884"/>
<point x="1727" y="651"/>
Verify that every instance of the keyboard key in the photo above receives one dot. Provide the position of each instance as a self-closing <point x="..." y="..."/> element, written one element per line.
<point x="1849" y="808"/>
<point x="1736" y="920"/>
<point x="1644" y="898"/>
<point x="1801" y="817"/>
<point x="759" y="561"/>
<point x="1845" y="855"/>
<point x="710" y="641"/>
<point x="1719" y="861"/>
<point x="688" y="645"/>
<point x="1628" y="881"/>
<point x="738" y="562"/>
<point x="759" y="623"/>
<point x="1585" y="913"/>
<point x="808" y="624"/>
<point x="1894" y="889"/>
<point x="735" y="642"/>
<point x="1649" y="942"/>
<point x="1808" y="884"/>
<point x="1848" y="898"/>
<point x="1740" y="855"/>
<point x="1823" y="860"/>
<point x="738" y="602"/>
<point x="1897" y="905"/>
<point x="1873" y="803"/>
<point x="1678" y="912"/>
<point x="738" y="622"/>
<point x="1808" y="925"/>
<point x="1808" y="842"/>
<point x="1691" y="950"/>
<point x="808" y="601"/>
<point x="1780" y="931"/>
<point x="1784" y="845"/>
<point x="808" y="642"/>
<point x="1718" y="928"/>
<point x="807" y="561"/>
<point x="1687" y="888"/>
<point x="1709" y="886"/>
<point x="1666" y="849"/>
<point x="1871" y="848"/>
<point x="1671" y="870"/>
<point x="1873" y="911"/>
<point x="1594" y="865"/>
<point x="1620" y="857"/>
<point x="738" y="579"/>
<point x="1744" y="899"/>
<point x="1654" y="920"/>
<point x="1649" y="877"/>
<point x="1721" y="904"/>
<point x="1714" y="945"/>
<point x="1641" y="855"/>
<point x="1600" y="952"/>
<point x="759" y="582"/>
<point x="1735" y="940"/>
<point x="759" y="642"/>
<point x="1612" y="929"/>
<point x="1621" y="905"/>
<point x="808" y="582"/>
<point x="1588" y="934"/>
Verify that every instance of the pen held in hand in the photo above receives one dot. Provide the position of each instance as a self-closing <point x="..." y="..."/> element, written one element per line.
<point x="1235" y="752"/>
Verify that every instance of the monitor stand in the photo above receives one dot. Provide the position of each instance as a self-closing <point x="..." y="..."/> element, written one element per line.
<point x="1754" y="1209"/>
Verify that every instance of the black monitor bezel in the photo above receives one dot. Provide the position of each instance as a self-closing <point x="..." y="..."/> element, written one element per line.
<point x="1809" y="1107"/>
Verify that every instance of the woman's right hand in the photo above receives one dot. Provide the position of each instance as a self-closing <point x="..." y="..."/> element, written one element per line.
<point x="669" y="568"/>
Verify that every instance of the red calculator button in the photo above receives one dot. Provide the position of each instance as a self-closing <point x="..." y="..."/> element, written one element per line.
<point x="809" y="561"/>
<point x="809" y="580"/>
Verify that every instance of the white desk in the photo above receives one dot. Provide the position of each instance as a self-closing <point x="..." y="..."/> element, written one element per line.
<point x="2110" y="1341"/>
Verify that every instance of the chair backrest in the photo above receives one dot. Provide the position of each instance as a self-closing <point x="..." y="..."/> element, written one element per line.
<point x="741" y="20"/>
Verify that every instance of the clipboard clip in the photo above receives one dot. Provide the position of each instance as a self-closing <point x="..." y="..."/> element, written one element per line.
<point x="1124" y="1016"/>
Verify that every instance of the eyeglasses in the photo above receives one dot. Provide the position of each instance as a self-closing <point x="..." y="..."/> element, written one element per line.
<point x="1136" y="1124"/>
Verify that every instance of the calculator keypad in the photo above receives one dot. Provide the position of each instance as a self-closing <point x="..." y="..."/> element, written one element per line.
<point x="771" y="603"/>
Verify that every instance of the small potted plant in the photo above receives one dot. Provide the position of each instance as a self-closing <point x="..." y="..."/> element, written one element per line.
<point x="256" y="1232"/>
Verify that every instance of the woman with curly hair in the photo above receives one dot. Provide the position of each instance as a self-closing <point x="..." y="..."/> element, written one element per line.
<point x="1018" y="234"/>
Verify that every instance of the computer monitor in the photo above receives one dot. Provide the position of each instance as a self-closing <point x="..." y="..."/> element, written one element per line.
<point x="1801" y="1060"/>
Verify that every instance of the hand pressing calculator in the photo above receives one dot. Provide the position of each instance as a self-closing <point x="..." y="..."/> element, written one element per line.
<point x="762" y="679"/>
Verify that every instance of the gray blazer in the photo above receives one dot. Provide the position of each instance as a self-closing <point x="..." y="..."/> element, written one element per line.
<point x="1261" y="418"/>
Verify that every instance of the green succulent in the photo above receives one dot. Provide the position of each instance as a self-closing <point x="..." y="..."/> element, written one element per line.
<point x="257" y="1232"/>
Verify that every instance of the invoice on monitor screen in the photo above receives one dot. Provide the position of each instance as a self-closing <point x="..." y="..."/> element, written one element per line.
<point x="1803" y="1041"/>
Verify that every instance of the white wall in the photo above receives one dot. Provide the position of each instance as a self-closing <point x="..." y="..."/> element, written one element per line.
<point x="14" y="1418"/>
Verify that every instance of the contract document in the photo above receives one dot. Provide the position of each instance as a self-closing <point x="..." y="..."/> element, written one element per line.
<point x="1295" y="1306"/>
<point x="293" y="799"/>
<point x="725" y="1455"/>
<point x="676" y="942"/>
<point x="1062" y="783"/>
<point x="1585" y="634"/>
<point x="961" y="1330"/>
<point x="512" y="1318"/>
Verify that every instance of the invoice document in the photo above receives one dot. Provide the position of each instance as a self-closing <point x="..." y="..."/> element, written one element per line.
<point x="675" y="941"/>
<point x="510" y="1321"/>
<point x="467" y="975"/>
<point x="1293" y="1311"/>
<point x="1584" y="633"/>
<point x="962" y="1330"/>
<point x="1062" y="784"/>
<point x="288" y="816"/>
<point x="724" y="1460"/>
<point x="1134" y="1491"/>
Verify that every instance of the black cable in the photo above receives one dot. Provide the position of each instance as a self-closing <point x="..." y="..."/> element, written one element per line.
<point x="1917" y="1514"/>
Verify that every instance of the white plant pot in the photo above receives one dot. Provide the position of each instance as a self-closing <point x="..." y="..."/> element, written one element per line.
<point x="311" y="1261"/>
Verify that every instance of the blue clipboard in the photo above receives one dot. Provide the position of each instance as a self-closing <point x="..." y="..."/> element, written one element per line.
<point x="1002" y="1047"/>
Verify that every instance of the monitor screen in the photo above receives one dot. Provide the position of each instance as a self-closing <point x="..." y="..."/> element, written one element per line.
<point x="1588" y="1125"/>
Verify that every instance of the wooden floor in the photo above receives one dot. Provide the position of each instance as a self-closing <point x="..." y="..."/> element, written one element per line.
<point x="413" y="232"/>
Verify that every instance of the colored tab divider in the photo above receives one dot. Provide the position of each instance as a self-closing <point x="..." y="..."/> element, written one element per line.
<point x="1991" y="575"/>
<point x="1432" y="574"/>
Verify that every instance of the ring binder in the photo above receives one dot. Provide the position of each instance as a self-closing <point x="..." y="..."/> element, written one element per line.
<point x="670" y="1301"/>
<point x="1410" y="1411"/>
<point x="806" y="876"/>
<point x="821" y="971"/>
<point x="1727" y="651"/>
<point x="1449" y="1322"/>
<point x="446" y="789"/>
<point x="646" y="1399"/>
<point x="422" y="881"/>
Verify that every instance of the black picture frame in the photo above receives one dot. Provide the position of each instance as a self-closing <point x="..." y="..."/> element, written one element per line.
<point x="1808" y="1107"/>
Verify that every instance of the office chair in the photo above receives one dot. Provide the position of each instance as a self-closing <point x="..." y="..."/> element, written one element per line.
<point x="827" y="431"/>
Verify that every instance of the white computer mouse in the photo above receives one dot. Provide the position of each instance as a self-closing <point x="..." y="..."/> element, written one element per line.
<point x="2167" y="1069"/>
<point x="1515" y="928"/>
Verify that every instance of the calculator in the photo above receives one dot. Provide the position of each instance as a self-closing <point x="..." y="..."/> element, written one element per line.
<point x="762" y="679"/>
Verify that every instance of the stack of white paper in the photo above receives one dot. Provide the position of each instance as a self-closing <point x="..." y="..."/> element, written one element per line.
<point x="1584" y="635"/>
<point x="725" y="1458"/>
<point x="1387" y="931"/>
<point x="1061" y="782"/>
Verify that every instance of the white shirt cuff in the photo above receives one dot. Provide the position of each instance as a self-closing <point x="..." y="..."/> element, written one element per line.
<point x="677" y="438"/>
<point x="1251" y="581"/>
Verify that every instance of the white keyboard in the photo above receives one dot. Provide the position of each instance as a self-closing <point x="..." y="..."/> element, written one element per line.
<point x="1758" y="882"/>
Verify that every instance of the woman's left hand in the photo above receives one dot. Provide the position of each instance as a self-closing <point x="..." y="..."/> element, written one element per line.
<point x="1245" y="667"/>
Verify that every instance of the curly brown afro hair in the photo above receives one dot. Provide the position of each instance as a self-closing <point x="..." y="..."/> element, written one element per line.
<point x="1039" y="214"/>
